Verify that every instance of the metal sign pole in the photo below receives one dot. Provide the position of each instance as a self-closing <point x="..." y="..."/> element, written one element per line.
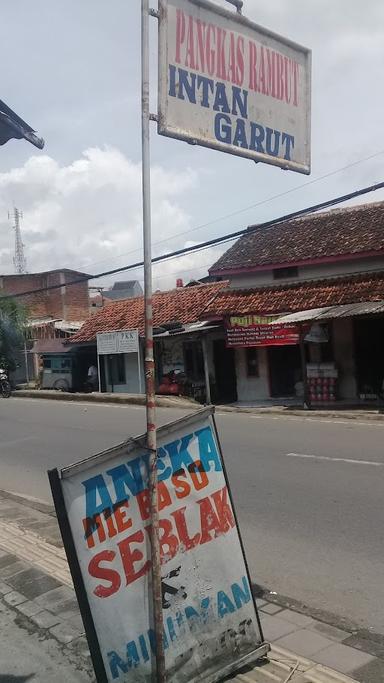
<point x="149" y="359"/>
<point x="99" y="372"/>
<point x="139" y="368"/>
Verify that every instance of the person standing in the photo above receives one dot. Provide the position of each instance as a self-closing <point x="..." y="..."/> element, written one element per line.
<point x="93" y="378"/>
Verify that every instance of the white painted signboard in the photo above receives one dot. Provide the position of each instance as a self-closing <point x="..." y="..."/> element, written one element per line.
<point x="227" y="83"/>
<point x="211" y="626"/>
<point x="124" y="341"/>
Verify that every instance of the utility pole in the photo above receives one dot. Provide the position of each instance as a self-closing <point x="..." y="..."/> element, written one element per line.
<point x="19" y="260"/>
<point x="149" y="364"/>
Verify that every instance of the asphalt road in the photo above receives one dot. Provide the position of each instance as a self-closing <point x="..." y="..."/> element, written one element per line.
<point x="312" y="526"/>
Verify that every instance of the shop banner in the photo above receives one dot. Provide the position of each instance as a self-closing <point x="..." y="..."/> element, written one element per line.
<point x="253" y="330"/>
<point x="211" y="626"/>
<point x="229" y="84"/>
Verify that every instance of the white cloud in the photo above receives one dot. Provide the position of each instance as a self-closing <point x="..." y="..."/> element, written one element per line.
<point x="87" y="215"/>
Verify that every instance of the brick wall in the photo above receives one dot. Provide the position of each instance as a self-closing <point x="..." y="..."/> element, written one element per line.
<point x="64" y="303"/>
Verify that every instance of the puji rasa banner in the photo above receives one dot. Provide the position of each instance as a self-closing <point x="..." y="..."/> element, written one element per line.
<point x="255" y="330"/>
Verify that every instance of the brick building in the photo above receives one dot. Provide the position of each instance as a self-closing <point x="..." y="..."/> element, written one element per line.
<point x="53" y="314"/>
<point x="64" y="303"/>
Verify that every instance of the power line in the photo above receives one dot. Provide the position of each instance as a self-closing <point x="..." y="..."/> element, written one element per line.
<point x="212" y="242"/>
<point x="248" y="208"/>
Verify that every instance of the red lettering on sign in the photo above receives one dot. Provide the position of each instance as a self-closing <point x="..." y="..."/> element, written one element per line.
<point x="130" y="556"/>
<point x="182" y="488"/>
<point x="90" y="526"/>
<point x="209" y="521"/>
<point x="122" y="522"/>
<point x="112" y="531"/>
<point x="190" y="53"/>
<point x="186" y="540"/>
<point x="180" y="34"/>
<point x="105" y="574"/>
<point x="201" y="52"/>
<point x="223" y="509"/>
<point x="169" y="543"/>
<point x="220" y="52"/>
<point x="240" y="61"/>
<point x="198" y="475"/>
<point x="210" y="52"/>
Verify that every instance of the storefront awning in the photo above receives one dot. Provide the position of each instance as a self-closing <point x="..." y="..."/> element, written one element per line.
<point x="191" y="328"/>
<point x="42" y="346"/>
<point x="332" y="312"/>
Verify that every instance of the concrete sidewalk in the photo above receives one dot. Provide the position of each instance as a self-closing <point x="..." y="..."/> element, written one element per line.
<point x="35" y="582"/>
<point x="184" y="403"/>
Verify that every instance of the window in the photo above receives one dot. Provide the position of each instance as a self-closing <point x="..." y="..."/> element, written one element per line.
<point x="282" y="273"/>
<point x="252" y="362"/>
<point x="117" y="369"/>
<point x="46" y="362"/>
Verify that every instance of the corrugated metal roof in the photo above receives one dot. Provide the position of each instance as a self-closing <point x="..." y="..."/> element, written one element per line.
<point x="203" y="326"/>
<point x="331" y="312"/>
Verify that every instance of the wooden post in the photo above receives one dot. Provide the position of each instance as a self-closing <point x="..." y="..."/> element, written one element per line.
<point x="206" y="370"/>
<point x="306" y="401"/>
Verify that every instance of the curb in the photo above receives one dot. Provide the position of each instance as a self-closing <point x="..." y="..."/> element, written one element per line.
<point x="39" y="505"/>
<point x="304" y="414"/>
<point x="183" y="403"/>
<point x="119" y="399"/>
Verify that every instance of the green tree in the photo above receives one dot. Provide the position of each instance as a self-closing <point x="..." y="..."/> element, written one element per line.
<point x="13" y="319"/>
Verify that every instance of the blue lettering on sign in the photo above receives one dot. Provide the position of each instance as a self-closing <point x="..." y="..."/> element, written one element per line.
<point x="230" y="101"/>
<point x="105" y="491"/>
<point x="139" y="651"/>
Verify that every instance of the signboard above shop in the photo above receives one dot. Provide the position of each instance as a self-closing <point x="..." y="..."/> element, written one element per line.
<point x="229" y="84"/>
<point x="124" y="341"/>
<point x="255" y="330"/>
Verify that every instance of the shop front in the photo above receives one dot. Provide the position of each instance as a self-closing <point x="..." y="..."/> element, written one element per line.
<point x="349" y="368"/>
<point x="189" y="363"/>
<point x="267" y="357"/>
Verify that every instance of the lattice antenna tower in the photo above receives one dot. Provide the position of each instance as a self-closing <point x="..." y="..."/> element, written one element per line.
<point x="19" y="260"/>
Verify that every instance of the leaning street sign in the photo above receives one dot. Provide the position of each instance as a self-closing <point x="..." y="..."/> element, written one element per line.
<point x="227" y="83"/>
<point x="211" y="626"/>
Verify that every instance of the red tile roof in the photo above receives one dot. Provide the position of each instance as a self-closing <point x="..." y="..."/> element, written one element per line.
<point x="183" y="304"/>
<point x="341" y="232"/>
<point x="298" y="297"/>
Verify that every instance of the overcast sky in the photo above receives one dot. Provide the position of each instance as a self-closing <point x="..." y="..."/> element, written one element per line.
<point x="72" y="70"/>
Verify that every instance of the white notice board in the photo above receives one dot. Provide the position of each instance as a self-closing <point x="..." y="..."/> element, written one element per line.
<point x="232" y="85"/>
<point x="122" y="341"/>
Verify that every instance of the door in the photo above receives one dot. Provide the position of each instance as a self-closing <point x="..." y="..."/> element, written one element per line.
<point x="284" y="370"/>
<point x="225" y="372"/>
<point x="369" y="344"/>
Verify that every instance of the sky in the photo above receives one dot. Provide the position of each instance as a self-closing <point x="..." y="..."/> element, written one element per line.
<point x="72" y="71"/>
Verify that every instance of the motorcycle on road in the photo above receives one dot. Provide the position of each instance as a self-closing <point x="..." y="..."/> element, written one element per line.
<point x="5" y="386"/>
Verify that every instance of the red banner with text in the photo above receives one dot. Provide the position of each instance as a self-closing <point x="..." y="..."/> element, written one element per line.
<point x="256" y="330"/>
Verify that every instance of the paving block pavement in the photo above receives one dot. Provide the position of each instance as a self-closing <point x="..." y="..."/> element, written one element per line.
<point x="304" y="649"/>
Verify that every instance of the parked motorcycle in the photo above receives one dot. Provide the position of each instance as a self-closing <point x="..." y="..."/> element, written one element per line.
<point x="173" y="384"/>
<point x="5" y="386"/>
